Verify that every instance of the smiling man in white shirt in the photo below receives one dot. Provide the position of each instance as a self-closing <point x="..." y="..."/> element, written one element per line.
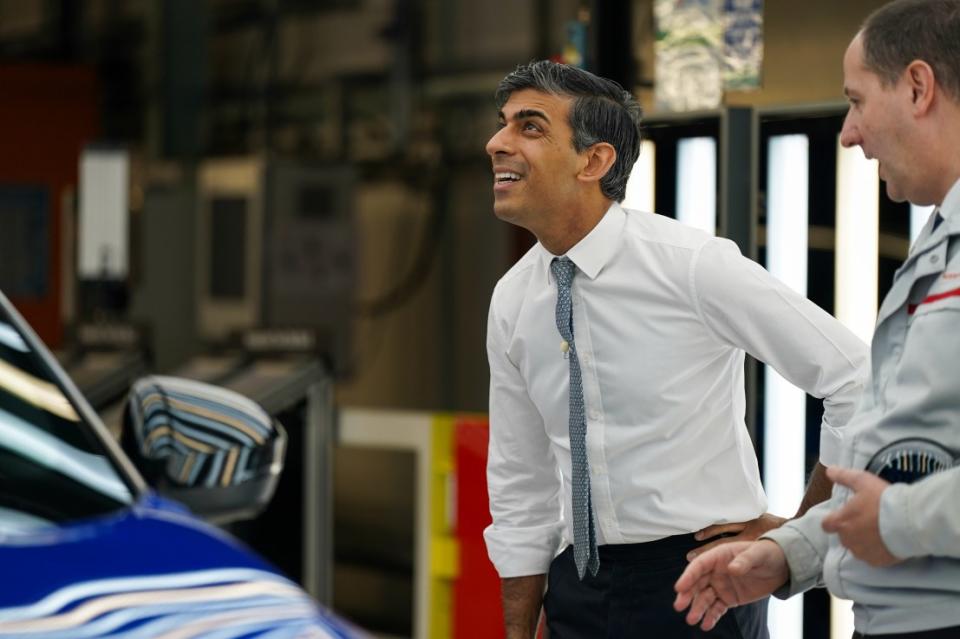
<point x="616" y="349"/>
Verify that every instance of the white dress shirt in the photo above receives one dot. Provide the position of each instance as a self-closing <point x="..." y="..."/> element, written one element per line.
<point x="662" y="315"/>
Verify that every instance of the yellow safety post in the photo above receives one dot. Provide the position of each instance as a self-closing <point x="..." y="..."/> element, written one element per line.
<point x="444" y="549"/>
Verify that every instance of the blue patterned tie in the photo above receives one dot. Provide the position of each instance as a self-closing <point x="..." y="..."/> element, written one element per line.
<point x="584" y="536"/>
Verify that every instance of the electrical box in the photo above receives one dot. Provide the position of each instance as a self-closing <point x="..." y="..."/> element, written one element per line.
<point x="276" y="250"/>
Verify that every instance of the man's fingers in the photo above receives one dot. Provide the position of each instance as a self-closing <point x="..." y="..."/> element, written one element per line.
<point x="701" y="604"/>
<point x="712" y="616"/>
<point x="848" y="477"/>
<point x="719" y="529"/>
<point x="682" y="600"/>
<point x="685" y="596"/>
<point x="693" y="554"/>
<point x="693" y="573"/>
<point x="831" y="523"/>
<point x="747" y="560"/>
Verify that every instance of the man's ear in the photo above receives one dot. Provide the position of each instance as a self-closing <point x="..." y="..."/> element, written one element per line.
<point x="599" y="158"/>
<point x="922" y="82"/>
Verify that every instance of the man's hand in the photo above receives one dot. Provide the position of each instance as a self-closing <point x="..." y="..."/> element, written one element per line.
<point x="743" y="531"/>
<point x="729" y="575"/>
<point x="858" y="522"/>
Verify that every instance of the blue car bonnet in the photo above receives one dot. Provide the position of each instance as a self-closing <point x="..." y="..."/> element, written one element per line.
<point x="149" y="571"/>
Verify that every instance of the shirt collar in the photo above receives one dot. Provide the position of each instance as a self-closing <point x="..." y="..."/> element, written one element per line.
<point x="595" y="250"/>
<point x="951" y="203"/>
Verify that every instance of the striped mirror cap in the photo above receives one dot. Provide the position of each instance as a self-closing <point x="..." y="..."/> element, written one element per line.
<point x="204" y="435"/>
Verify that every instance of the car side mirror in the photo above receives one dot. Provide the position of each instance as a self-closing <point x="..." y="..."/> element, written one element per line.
<point x="212" y="449"/>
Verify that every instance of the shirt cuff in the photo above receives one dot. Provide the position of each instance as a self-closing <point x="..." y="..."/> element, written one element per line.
<point x="895" y="522"/>
<point x="520" y="552"/>
<point x="803" y="560"/>
<point x="830" y="440"/>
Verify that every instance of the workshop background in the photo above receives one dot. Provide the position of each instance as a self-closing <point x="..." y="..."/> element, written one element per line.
<point x="291" y="198"/>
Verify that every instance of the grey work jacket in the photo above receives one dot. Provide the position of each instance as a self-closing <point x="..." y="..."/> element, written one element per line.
<point x="913" y="392"/>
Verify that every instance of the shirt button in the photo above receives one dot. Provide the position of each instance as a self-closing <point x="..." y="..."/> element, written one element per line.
<point x="934" y="259"/>
<point x="594" y="414"/>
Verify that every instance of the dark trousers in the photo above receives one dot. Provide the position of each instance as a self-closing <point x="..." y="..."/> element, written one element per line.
<point x="939" y="633"/>
<point x="632" y="597"/>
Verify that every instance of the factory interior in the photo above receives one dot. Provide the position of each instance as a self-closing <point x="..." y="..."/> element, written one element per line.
<point x="291" y="199"/>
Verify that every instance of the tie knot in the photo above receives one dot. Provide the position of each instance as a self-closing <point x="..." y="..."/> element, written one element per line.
<point x="563" y="269"/>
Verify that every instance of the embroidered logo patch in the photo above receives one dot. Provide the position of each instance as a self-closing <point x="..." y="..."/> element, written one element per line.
<point x="910" y="460"/>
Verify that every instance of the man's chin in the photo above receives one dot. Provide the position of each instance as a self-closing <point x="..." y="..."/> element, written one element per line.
<point x="894" y="193"/>
<point x="505" y="213"/>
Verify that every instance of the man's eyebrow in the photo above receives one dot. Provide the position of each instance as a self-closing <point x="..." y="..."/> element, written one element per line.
<point x="525" y="114"/>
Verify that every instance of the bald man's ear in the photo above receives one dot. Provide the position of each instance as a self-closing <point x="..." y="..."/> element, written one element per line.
<point x="599" y="159"/>
<point x="922" y="82"/>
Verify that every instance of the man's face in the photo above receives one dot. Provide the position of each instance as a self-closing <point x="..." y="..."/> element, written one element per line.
<point x="534" y="163"/>
<point x="877" y="121"/>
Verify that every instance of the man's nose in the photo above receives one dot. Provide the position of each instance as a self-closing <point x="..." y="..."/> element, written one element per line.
<point x="850" y="133"/>
<point x="498" y="143"/>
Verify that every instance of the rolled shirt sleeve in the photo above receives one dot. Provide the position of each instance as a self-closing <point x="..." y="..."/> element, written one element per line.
<point x="748" y="308"/>
<point x="523" y="480"/>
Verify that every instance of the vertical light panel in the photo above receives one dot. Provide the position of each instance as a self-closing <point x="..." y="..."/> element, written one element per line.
<point x="697" y="183"/>
<point x="858" y="209"/>
<point x="784" y="404"/>
<point x="918" y="217"/>
<point x="641" y="189"/>
<point x="104" y="211"/>
<point x="858" y="205"/>
<point x="841" y="618"/>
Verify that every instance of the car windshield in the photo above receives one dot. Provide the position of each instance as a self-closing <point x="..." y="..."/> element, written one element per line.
<point x="53" y="467"/>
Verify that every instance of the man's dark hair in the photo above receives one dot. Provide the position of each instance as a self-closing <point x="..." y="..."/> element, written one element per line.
<point x="898" y="33"/>
<point x="601" y="112"/>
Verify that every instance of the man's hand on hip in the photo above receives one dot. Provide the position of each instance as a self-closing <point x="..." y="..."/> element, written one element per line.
<point x="740" y="531"/>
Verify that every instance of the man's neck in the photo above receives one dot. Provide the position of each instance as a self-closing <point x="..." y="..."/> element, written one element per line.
<point x="941" y="148"/>
<point x="948" y="185"/>
<point x="567" y="233"/>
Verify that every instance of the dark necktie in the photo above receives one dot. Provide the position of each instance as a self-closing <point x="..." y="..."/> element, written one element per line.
<point x="584" y="535"/>
<point x="937" y="219"/>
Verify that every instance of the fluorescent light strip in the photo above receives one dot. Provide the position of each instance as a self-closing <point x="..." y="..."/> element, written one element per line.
<point x="785" y="404"/>
<point x="841" y="618"/>
<point x="858" y="206"/>
<point x="641" y="191"/>
<point x="918" y="217"/>
<point x="697" y="183"/>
